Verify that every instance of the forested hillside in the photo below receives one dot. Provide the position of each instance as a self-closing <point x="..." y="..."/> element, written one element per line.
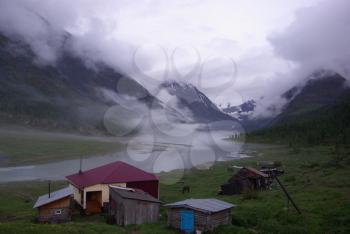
<point x="327" y="125"/>
<point x="317" y="113"/>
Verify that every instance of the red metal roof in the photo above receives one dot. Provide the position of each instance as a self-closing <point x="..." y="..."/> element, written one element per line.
<point x="117" y="172"/>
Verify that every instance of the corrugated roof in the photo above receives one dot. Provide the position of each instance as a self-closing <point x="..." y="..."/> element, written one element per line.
<point x="204" y="205"/>
<point x="256" y="171"/>
<point x="135" y="194"/>
<point x="54" y="196"/>
<point x="117" y="172"/>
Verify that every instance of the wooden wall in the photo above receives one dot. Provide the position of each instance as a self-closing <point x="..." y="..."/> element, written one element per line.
<point x="129" y="211"/>
<point x="46" y="213"/>
<point x="203" y="221"/>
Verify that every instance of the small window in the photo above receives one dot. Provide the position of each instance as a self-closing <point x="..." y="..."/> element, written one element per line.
<point x="58" y="212"/>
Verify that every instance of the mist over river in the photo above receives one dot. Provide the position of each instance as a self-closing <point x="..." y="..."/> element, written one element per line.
<point x="145" y="152"/>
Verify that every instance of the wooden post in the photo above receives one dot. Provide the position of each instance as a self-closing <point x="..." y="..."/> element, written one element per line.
<point x="49" y="188"/>
<point x="287" y="194"/>
<point x="80" y="165"/>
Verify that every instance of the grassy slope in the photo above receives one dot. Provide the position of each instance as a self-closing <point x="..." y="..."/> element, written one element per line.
<point x="319" y="189"/>
<point x="19" y="149"/>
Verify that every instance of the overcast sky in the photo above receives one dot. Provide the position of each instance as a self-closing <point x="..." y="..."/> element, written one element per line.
<point x="232" y="50"/>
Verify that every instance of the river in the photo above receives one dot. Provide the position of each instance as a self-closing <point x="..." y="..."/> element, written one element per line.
<point x="144" y="152"/>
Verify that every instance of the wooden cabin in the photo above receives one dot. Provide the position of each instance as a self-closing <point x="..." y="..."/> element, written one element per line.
<point x="132" y="206"/>
<point x="91" y="187"/>
<point x="198" y="214"/>
<point x="246" y="179"/>
<point x="55" y="207"/>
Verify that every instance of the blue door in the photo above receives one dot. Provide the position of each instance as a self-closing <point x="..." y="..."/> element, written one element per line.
<point x="187" y="221"/>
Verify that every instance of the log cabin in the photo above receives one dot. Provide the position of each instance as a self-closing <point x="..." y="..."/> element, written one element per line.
<point x="55" y="207"/>
<point x="91" y="187"/>
<point x="198" y="214"/>
<point x="246" y="179"/>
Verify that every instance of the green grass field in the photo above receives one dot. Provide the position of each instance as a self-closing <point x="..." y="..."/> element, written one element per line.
<point x="319" y="186"/>
<point x="19" y="149"/>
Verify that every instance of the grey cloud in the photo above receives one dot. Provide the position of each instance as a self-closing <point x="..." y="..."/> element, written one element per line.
<point x="318" y="38"/>
<point x="47" y="25"/>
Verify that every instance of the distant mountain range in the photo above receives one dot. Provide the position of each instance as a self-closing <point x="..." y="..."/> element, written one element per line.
<point x="73" y="95"/>
<point x="241" y="110"/>
<point x="321" y="89"/>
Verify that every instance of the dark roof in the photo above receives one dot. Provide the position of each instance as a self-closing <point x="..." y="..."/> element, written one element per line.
<point x="134" y="194"/>
<point x="117" y="172"/>
<point x="204" y="205"/>
<point x="54" y="196"/>
<point x="256" y="171"/>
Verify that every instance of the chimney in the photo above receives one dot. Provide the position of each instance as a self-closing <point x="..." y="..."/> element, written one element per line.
<point x="49" y="188"/>
<point x="80" y="166"/>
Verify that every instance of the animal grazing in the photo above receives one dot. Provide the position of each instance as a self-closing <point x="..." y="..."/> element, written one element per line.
<point x="185" y="189"/>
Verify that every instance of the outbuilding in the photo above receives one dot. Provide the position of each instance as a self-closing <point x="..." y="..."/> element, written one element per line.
<point x="132" y="206"/>
<point x="246" y="179"/>
<point x="199" y="214"/>
<point x="55" y="207"/>
<point x="91" y="187"/>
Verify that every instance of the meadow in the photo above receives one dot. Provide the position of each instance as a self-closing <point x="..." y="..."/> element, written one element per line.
<point x="316" y="177"/>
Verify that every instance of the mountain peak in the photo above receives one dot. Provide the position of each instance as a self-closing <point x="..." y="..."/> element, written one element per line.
<point x="322" y="88"/>
<point x="203" y="109"/>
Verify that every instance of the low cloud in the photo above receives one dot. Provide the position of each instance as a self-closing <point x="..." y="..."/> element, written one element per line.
<point x="318" y="38"/>
<point x="272" y="51"/>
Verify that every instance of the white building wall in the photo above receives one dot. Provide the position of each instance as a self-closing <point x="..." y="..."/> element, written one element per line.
<point x="97" y="187"/>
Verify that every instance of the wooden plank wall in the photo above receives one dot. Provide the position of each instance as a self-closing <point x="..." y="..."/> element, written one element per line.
<point x="203" y="221"/>
<point x="46" y="213"/>
<point x="129" y="211"/>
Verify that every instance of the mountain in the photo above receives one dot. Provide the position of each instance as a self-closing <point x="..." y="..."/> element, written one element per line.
<point x="242" y="109"/>
<point x="322" y="88"/>
<point x="245" y="114"/>
<point x="318" y="112"/>
<point x="68" y="95"/>
<point x="203" y="110"/>
<point x="74" y="94"/>
<point x="241" y="112"/>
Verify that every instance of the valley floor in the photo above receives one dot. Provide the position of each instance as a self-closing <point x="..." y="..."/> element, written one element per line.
<point x="24" y="147"/>
<point x="319" y="186"/>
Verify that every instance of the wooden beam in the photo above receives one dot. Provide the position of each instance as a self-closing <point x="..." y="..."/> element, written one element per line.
<point x="287" y="194"/>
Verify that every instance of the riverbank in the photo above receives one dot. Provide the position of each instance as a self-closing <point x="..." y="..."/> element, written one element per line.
<point x="319" y="187"/>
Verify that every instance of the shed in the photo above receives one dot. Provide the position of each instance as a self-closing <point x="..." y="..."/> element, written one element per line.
<point x="55" y="207"/>
<point x="91" y="189"/>
<point x="199" y="214"/>
<point x="132" y="206"/>
<point x="246" y="179"/>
